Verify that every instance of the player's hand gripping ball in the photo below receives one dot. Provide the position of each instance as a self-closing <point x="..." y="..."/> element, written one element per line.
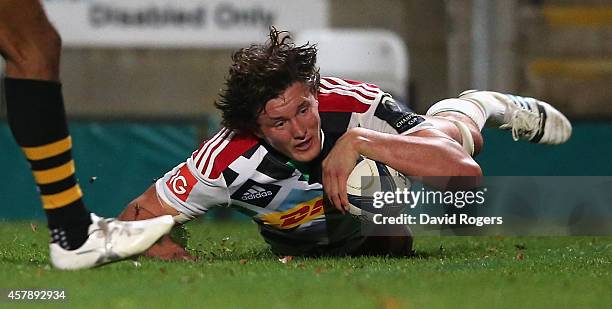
<point x="366" y="185"/>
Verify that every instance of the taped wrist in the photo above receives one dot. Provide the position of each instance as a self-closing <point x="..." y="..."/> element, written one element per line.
<point x="467" y="141"/>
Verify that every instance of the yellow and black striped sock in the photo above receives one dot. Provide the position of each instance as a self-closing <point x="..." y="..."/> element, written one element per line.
<point x="35" y="111"/>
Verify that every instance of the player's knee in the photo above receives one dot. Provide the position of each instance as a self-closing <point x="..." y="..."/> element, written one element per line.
<point x="35" y="55"/>
<point x="47" y="49"/>
<point x="52" y="40"/>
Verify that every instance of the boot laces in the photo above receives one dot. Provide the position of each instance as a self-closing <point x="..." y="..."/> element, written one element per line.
<point x="523" y="123"/>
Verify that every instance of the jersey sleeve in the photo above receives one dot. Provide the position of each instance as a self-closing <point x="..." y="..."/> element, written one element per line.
<point x="187" y="191"/>
<point x="387" y="116"/>
<point x="371" y="107"/>
<point x="199" y="183"/>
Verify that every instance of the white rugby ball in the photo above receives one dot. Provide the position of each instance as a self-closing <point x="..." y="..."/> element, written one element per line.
<point x="368" y="177"/>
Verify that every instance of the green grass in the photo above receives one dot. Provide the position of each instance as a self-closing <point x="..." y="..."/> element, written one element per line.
<point x="237" y="270"/>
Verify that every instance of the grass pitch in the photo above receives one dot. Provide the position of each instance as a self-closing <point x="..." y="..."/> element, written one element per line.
<point x="236" y="270"/>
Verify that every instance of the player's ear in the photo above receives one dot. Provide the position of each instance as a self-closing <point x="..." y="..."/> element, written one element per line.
<point x="316" y="99"/>
<point x="257" y="132"/>
<point x="256" y="129"/>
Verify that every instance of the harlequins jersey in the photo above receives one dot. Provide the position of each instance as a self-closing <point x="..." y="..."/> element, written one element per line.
<point x="285" y="198"/>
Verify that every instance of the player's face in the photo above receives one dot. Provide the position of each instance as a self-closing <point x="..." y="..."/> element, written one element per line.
<point x="290" y="123"/>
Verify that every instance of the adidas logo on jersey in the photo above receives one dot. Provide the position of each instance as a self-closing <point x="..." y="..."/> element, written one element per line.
<point x="255" y="192"/>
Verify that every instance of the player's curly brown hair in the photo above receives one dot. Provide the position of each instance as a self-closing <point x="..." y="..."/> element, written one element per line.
<point x="262" y="72"/>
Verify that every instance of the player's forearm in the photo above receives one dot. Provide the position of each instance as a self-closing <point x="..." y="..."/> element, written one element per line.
<point x="147" y="205"/>
<point x="415" y="155"/>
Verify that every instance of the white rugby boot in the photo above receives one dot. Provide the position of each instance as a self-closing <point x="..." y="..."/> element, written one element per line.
<point x="530" y="119"/>
<point x="111" y="240"/>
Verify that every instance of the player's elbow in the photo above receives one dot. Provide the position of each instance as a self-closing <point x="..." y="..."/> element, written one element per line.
<point x="459" y="162"/>
<point x="468" y="167"/>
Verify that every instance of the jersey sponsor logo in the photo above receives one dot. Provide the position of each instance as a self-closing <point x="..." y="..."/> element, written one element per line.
<point x="255" y="193"/>
<point x="181" y="183"/>
<point x="296" y="216"/>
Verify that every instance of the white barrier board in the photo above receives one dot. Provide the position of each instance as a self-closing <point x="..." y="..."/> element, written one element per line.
<point x="180" y="23"/>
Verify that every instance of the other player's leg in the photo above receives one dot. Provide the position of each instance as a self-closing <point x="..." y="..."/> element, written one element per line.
<point x="35" y="112"/>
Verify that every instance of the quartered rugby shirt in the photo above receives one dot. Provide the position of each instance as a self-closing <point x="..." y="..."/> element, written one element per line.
<point x="285" y="198"/>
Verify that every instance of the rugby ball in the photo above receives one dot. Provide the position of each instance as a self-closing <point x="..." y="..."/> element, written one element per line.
<point x="367" y="178"/>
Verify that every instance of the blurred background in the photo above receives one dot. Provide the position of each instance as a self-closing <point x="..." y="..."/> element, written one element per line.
<point x="140" y="77"/>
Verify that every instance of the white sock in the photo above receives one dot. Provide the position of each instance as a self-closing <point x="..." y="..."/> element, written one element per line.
<point x="492" y="104"/>
<point x="471" y="109"/>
